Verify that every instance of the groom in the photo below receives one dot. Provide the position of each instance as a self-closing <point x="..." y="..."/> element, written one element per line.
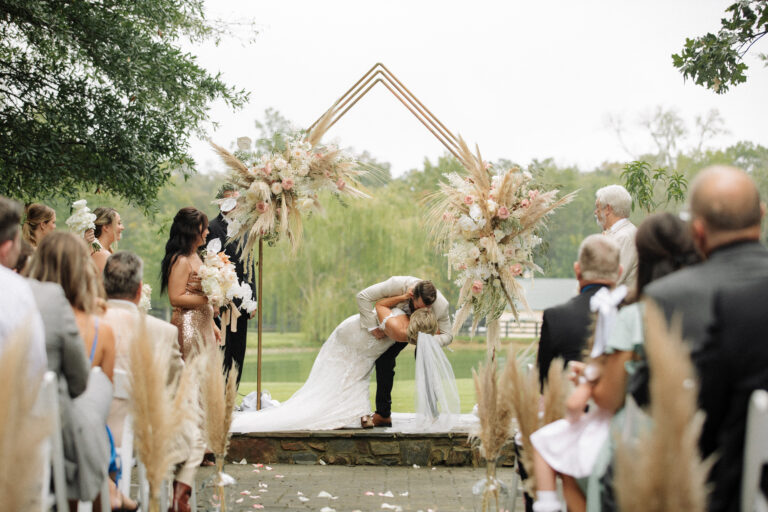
<point x="424" y="294"/>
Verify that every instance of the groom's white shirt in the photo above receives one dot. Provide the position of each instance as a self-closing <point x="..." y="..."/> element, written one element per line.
<point x="398" y="285"/>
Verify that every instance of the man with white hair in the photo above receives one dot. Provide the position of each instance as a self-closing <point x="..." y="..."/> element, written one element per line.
<point x="612" y="207"/>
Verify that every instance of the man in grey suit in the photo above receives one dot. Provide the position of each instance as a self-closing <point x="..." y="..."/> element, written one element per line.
<point x="726" y="214"/>
<point x="423" y="294"/>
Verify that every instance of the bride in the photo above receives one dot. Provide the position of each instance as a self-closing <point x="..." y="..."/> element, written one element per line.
<point x="336" y="393"/>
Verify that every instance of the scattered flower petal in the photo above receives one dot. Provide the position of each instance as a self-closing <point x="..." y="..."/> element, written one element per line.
<point x="370" y="493"/>
<point x="255" y="471"/>
<point x="300" y="493"/>
<point x="396" y="508"/>
<point x="303" y="499"/>
<point x="245" y="493"/>
<point x="404" y="493"/>
<point x="257" y="505"/>
<point x="239" y="500"/>
<point x="327" y="509"/>
<point x="269" y="468"/>
<point x="324" y="494"/>
<point x="387" y="494"/>
<point x="416" y="466"/>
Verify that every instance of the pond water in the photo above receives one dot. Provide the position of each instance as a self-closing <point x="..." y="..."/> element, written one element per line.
<point x="295" y="366"/>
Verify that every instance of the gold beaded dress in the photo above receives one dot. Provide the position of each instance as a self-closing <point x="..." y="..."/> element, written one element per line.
<point x="195" y="324"/>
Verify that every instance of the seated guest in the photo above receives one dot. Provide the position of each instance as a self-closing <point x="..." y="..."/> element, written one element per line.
<point x="565" y="328"/>
<point x="84" y="397"/>
<point x="63" y="258"/>
<point x="16" y="301"/>
<point x="39" y="221"/>
<point x="109" y="230"/>
<point x="732" y="364"/>
<point x="123" y="282"/>
<point x="726" y="214"/>
<point x="613" y="205"/>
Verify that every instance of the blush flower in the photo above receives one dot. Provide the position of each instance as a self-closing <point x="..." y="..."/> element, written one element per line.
<point x="477" y="287"/>
<point x="533" y="194"/>
<point x="340" y="184"/>
<point x="288" y="184"/>
<point x="516" y="269"/>
<point x="502" y="212"/>
<point x="468" y="200"/>
<point x="525" y="203"/>
<point x="261" y="207"/>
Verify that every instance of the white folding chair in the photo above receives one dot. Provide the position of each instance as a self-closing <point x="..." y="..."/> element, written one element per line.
<point x="755" y="453"/>
<point x="47" y="406"/>
<point x="125" y="450"/>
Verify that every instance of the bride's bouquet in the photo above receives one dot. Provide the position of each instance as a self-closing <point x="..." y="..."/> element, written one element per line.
<point x="82" y="220"/>
<point x="219" y="280"/>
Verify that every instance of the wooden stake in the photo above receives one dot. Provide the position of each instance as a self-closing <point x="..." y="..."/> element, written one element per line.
<point x="258" y="336"/>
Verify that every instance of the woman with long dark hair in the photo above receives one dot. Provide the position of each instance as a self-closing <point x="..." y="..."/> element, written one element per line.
<point x="192" y="314"/>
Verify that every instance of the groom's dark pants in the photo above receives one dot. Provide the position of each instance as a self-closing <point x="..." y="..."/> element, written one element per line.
<point x="234" y="349"/>
<point x="385" y="377"/>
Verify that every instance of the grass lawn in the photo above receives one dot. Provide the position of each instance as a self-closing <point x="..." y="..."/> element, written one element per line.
<point x="402" y="393"/>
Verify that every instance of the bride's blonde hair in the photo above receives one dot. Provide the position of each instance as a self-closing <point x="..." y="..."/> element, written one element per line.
<point x="422" y="320"/>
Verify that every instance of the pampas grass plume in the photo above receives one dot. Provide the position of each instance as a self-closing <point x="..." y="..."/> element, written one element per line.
<point x="159" y="410"/>
<point x="218" y="394"/>
<point x="22" y="434"/>
<point x="662" y="470"/>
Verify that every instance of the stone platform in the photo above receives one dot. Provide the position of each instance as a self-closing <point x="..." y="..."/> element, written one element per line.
<point x="398" y="445"/>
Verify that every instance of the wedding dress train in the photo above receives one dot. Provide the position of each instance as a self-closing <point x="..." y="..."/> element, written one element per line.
<point x="336" y="394"/>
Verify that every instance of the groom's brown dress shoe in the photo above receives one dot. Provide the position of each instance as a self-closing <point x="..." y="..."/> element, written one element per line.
<point x="381" y="421"/>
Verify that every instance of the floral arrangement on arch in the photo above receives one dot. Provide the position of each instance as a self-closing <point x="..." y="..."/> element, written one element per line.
<point x="489" y="223"/>
<point x="278" y="187"/>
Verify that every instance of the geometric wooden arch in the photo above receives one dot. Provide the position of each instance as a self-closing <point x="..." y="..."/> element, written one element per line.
<point x="380" y="74"/>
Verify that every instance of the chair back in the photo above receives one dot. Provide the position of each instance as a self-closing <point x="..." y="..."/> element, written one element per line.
<point x="47" y="406"/>
<point x="755" y="453"/>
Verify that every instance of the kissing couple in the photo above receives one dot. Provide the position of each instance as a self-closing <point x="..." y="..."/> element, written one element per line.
<point x="393" y="313"/>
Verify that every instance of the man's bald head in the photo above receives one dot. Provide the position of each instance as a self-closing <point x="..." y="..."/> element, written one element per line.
<point x="726" y="199"/>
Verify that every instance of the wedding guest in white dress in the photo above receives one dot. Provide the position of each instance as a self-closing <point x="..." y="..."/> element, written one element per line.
<point x="336" y="394"/>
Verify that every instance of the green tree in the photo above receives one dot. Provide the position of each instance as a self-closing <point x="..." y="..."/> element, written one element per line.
<point x="653" y="188"/>
<point x="716" y="61"/>
<point x="100" y="96"/>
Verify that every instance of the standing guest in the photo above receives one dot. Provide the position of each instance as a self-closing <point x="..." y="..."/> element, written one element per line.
<point x="192" y="314"/>
<point x="612" y="208"/>
<point x="84" y="396"/>
<point x="109" y="230"/>
<point x="566" y="328"/>
<point x="63" y="258"/>
<point x="39" y="221"/>
<point x="123" y="282"/>
<point x="235" y="342"/>
<point x="17" y="303"/>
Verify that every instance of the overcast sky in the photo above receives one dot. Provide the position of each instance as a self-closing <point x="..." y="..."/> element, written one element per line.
<point x="523" y="80"/>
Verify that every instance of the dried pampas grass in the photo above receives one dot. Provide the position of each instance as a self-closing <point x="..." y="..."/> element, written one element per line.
<point x="159" y="410"/>
<point x="22" y="433"/>
<point x="217" y="394"/>
<point x="494" y="410"/>
<point x="556" y="391"/>
<point x="662" y="469"/>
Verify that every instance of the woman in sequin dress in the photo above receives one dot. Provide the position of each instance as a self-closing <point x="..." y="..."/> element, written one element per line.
<point x="192" y="314"/>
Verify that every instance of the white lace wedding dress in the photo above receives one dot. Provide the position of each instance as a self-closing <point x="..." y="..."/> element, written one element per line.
<point x="336" y="394"/>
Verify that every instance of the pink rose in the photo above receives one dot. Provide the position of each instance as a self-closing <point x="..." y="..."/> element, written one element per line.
<point x="268" y="168"/>
<point x="533" y="194"/>
<point x="502" y="212"/>
<point x="477" y="287"/>
<point x="525" y="203"/>
<point x="447" y="217"/>
<point x="463" y="266"/>
<point x="261" y="207"/>
<point x="288" y="184"/>
<point x="468" y="200"/>
<point x="340" y="184"/>
<point x="516" y="269"/>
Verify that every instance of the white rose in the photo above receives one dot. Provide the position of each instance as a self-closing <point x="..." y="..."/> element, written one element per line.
<point x="492" y="205"/>
<point x="475" y="212"/>
<point x="473" y="253"/>
<point x="277" y="188"/>
<point x="280" y="163"/>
